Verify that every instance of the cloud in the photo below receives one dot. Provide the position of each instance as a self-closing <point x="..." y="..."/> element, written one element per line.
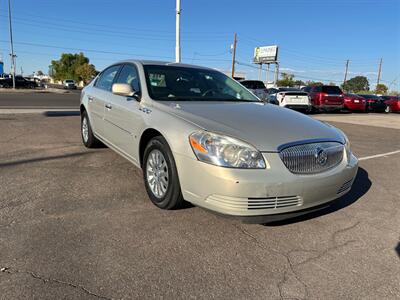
<point x="290" y="70"/>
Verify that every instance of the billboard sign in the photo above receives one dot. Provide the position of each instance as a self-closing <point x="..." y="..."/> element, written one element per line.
<point x="266" y="54"/>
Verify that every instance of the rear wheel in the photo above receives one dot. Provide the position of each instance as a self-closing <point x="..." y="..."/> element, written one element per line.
<point x="160" y="175"/>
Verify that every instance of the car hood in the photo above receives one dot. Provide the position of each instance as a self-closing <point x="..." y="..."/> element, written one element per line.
<point x="263" y="125"/>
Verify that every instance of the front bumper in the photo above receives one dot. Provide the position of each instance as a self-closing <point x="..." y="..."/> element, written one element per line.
<point x="264" y="192"/>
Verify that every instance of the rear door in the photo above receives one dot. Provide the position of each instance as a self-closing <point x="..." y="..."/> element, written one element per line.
<point x="331" y="95"/>
<point x="122" y="117"/>
<point x="98" y="96"/>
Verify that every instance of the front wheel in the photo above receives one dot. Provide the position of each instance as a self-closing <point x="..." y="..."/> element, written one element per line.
<point x="160" y="175"/>
<point x="88" y="138"/>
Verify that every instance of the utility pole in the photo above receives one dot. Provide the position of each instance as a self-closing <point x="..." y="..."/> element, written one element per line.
<point x="11" y="44"/>
<point x="379" y="72"/>
<point x="234" y="55"/>
<point x="267" y="75"/>
<point x="178" y="32"/>
<point x="276" y="72"/>
<point x="345" y="72"/>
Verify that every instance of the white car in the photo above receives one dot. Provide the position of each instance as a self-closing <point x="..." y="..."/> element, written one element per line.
<point x="257" y="87"/>
<point x="69" y="84"/>
<point x="294" y="99"/>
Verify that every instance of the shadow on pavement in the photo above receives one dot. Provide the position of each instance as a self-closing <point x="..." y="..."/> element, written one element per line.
<point x="360" y="187"/>
<point x="398" y="249"/>
<point x="61" y="113"/>
<point x="38" y="159"/>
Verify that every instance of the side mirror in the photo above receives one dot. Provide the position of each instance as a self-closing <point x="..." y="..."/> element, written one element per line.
<point x="123" y="89"/>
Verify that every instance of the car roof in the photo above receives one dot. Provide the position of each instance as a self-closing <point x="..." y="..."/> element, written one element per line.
<point x="250" y="80"/>
<point x="161" y="63"/>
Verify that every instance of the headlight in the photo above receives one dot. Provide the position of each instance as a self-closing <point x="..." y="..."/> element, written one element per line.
<point x="225" y="151"/>
<point x="347" y="147"/>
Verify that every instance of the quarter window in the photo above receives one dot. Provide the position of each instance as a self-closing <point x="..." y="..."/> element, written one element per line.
<point x="106" y="78"/>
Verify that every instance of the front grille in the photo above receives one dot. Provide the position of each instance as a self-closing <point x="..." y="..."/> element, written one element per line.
<point x="312" y="158"/>
<point x="345" y="186"/>
<point x="242" y="204"/>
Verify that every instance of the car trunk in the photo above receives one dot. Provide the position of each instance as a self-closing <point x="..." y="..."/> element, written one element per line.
<point x="331" y="95"/>
<point x="295" y="97"/>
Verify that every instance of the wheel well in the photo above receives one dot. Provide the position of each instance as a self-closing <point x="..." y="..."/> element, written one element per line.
<point x="147" y="135"/>
<point x="82" y="108"/>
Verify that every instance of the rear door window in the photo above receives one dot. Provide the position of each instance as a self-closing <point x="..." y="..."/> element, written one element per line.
<point x="331" y="90"/>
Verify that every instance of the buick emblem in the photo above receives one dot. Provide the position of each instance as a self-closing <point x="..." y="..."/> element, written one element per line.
<point x="321" y="156"/>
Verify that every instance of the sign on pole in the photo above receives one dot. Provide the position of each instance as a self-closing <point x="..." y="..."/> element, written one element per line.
<point x="266" y="54"/>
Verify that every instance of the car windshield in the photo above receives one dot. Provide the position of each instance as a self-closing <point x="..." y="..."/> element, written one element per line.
<point x="172" y="83"/>
<point x="69" y="81"/>
<point x="371" y="97"/>
<point x="253" y="84"/>
<point x="288" y="89"/>
<point x="331" y="90"/>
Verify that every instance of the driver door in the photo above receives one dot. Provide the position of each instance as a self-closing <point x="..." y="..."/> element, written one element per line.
<point x="122" y="117"/>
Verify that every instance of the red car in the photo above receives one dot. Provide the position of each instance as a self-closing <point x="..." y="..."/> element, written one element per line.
<point x="392" y="102"/>
<point x="325" y="97"/>
<point x="354" y="102"/>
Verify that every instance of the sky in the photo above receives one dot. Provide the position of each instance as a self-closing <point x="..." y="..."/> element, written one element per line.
<point x="315" y="37"/>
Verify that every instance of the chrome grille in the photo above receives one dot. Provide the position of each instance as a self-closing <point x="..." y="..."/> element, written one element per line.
<point x="312" y="158"/>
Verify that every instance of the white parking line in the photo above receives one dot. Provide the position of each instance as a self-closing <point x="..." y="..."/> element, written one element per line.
<point x="379" y="155"/>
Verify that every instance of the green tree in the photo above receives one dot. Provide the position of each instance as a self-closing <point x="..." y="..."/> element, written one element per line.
<point x="356" y="84"/>
<point x="68" y="65"/>
<point x="299" y="83"/>
<point x="287" y="80"/>
<point x="381" y="89"/>
<point x="314" y="83"/>
<point x="86" y="72"/>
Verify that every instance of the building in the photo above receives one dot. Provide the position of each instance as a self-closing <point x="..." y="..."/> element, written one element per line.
<point x="1" y="66"/>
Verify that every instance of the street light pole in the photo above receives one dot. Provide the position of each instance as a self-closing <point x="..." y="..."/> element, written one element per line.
<point x="178" y="32"/>
<point x="12" y="44"/>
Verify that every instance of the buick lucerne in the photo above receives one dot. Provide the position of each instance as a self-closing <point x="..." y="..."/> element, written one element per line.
<point x="202" y="137"/>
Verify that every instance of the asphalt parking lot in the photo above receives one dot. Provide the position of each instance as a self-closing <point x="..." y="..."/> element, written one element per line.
<point x="38" y="99"/>
<point x="77" y="224"/>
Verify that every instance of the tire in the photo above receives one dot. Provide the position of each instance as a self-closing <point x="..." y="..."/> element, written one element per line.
<point x="160" y="174"/>
<point x="88" y="138"/>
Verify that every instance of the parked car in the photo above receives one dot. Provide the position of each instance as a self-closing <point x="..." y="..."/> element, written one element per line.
<point x="257" y="87"/>
<point x="354" y="102"/>
<point x="392" y="103"/>
<point x="374" y="103"/>
<point x="69" y="84"/>
<point x="200" y="136"/>
<point x="271" y="96"/>
<point x="20" y="82"/>
<point x="326" y="97"/>
<point x="293" y="98"/>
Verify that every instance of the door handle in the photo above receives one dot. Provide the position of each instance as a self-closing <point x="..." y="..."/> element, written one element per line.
<point x="90" y="98"/>
<point x="108" y="106"/>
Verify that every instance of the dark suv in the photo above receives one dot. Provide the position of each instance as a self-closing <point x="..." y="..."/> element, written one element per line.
<point x="20" y="82"/>
<point x="325" y="97"/>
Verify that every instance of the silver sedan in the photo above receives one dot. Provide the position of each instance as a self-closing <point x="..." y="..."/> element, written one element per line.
<point x="201" y="137"/>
